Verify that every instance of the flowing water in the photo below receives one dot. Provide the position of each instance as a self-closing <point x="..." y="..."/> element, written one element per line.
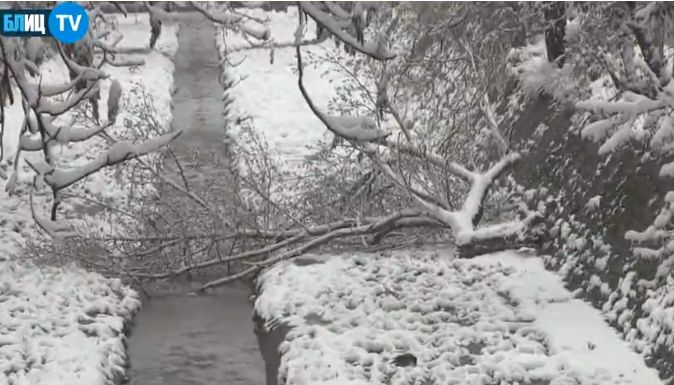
<point x="206" y="339"/>
<point x="200" y="340"/>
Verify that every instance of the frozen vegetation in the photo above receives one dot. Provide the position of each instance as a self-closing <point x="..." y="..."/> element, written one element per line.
<point x="65" y="325"/>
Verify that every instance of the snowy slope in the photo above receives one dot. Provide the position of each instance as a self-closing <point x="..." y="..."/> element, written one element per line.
<point x="500" y="318"/>
<point x="64" y="326"/>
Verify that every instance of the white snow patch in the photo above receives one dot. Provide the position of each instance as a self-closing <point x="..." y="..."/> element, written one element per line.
<point x="594" y="203"/>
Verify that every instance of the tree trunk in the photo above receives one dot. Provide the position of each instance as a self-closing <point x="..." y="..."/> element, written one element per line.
<point x="555" y="32"/>
<point x="493" y="245"/>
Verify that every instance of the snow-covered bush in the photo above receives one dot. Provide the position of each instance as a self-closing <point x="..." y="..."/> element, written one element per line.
<point x="604" y="98"/>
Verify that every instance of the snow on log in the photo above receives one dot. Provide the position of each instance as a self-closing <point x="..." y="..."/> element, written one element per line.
<point x="463" y="223"/>
<point x="480" y="187"/>
<point x="505" y="230"/>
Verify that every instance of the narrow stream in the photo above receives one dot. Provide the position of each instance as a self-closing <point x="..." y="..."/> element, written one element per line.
<point x="200" y="340"/>
<point x="207" y="339"/>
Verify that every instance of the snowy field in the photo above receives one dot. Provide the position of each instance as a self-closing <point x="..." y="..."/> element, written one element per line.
<point x="497" y="319"/>
<point x="64" y="325"/>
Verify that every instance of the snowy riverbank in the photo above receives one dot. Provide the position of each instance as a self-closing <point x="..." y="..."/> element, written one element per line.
<point x="499" y="318"/>
<point x="62" y="326"/>
<point x="66" y="325"/>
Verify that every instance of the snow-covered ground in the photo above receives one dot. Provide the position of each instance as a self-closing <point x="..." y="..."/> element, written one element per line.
<point x="500" y="318"/>
<point x="267" y="90"/>
<point x="64" y="325"/>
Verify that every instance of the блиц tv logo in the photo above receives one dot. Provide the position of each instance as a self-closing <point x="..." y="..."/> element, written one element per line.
<point x="67" y="22"/>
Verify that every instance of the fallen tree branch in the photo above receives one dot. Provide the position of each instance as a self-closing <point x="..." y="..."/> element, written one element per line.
<point x="235" y="257"/>
<point x="371" y="228"/>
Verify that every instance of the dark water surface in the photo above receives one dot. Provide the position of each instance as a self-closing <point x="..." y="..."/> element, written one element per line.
<point x="196" y="340"/>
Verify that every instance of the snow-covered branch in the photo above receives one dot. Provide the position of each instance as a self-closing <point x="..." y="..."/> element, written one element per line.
<point x="644" y="88"/>
<point x="332" y="23"/>
<point x="413" y="150"/>
<point x="117" y="153"/>
<point x="464" y="223"/>
<point x="294" y="241"/>
<point x="64" y="133"/>
<point x="488" y="111"/>
<point x="234" y="21"/>
<point x="357" y="128"/>
<point x="619" y="122"/>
